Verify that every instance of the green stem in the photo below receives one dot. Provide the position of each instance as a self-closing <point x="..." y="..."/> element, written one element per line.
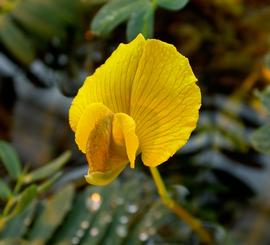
<point x="2" y="223"/>
<point x="18" y="185"/>
<point x="9" y="205"/>
<point x="12" y="198"/>
<point x="194" y="223"/>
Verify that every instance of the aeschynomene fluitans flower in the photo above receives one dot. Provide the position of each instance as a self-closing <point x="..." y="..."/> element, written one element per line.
<point x="142" y="100"/>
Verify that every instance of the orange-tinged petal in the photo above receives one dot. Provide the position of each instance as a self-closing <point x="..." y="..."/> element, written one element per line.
<point x="124" y="130"/>
<point x="105" y="163"/>
<point x="88" y="121"/>
<point x="111" y="84"/>
<point x="109" y="141"/>
<point x="103" y="177"/>
<point x="164" y="102"/>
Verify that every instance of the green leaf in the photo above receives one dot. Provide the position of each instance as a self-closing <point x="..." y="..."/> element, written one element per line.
<point x="5" y="191"/>
<point x="113" y="14"/>
<point x="172" y="4"/>
<point x="52" y="215"/>
<point x="108" y="194"/>
<point x="13" y="242"/>
<point x="35" y="19"/>
<point x="116" y="232"/>
<point x="150" y="217"/>
<point x="264" y="97"/>
<point x="10" y="160"/>
<point x="83" y="213"/>
<point x="141" y="21"/>
<point x="48" y="183"/>
<point x="77" y="216"/>
<point x="25" y="198"/>
<point x="49" y="169"/>
<point x="120" y="213"/>
<point x="93" y="2"/>
<point x="18" y="44"/>
<point x="18" y="226"/>
<point x="260" y="139"/>
<point x="55" y="9"/>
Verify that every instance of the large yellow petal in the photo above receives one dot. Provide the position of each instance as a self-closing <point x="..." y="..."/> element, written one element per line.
<point x="164" y="102"/>
<point x="111" y="83"/>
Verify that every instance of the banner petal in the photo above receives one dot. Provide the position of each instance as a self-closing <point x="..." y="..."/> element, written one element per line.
<point x="111" y="83"/>
<point x="164" y="102"/>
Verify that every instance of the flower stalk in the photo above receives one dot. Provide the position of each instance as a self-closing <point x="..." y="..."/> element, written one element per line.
<point x="176" y="208"/>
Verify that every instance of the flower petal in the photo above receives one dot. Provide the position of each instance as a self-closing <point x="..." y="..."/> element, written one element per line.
<point x="110" y="145"/>
<point x="164" y="102"/>
<point x="105" y="162"/>
<point x="111" y="83"/>
<point x="88" y="121"/>
<point x="124" y="129"/>
<point x="103" y="178"/>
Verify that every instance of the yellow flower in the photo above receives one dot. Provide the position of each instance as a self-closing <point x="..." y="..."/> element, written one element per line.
<point x="144" y="99"/>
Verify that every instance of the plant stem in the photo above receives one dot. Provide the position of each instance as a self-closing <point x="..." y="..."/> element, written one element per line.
<point x="2" y="223"/>
<point x="12" y="198"/>
<point x="18" y="185"/>
<point x="9" y="205"/>
<point x="194" y="223"/>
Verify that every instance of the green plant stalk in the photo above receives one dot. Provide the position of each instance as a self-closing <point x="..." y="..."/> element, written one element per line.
<point x="18" y="185"/>
<point x="194" y="223"/>
<point x="12" y="199"/>
<point x="2" y="223"/>
<point x="9" y="205"/>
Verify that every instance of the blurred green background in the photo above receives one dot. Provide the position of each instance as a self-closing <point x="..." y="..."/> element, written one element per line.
<point x="222" y="176"/>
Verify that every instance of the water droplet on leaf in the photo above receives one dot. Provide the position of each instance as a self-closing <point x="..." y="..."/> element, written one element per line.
<point x="94" y="201"/>
<point x="94" y="232"/>
<point x="75" y="240"/>
<point x="143" y="236"/>
<point x="121" y="231"/>
<point x="123" y="219"/>
<point x="107" y="219"/>
<point x="80" y="233"/>
<point x="27" y="221"/>
<point x="120" y="201"/>
<point x="85" y="224"/>
<point x="132" y="208"/>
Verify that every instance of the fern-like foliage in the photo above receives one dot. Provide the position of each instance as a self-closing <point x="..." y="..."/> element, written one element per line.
<point x="126" y="212"/>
